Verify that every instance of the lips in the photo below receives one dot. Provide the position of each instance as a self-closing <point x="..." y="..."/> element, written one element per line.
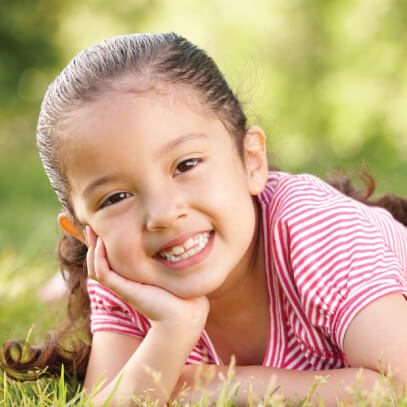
<point x="186" y="250"/>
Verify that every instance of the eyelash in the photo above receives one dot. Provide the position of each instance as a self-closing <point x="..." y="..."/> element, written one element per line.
<point x="110" y="200"/>
<point x="123" y="195"/>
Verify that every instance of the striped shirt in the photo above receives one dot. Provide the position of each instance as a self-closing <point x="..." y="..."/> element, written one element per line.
<point x="326" y="257"/>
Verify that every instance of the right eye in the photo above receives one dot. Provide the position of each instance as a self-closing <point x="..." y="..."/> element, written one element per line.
<point x="114" y="199"/>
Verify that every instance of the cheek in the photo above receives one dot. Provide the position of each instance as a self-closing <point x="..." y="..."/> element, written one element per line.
<point x="123" y="249"/>
<point x="229" y="198"/>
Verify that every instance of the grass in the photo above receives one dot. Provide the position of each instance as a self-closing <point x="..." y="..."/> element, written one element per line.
<point x="67" y="392"/>
<point x="21" y="278"/>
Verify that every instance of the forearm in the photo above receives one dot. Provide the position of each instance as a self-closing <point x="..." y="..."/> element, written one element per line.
<point x="293" y="385"/>
<point x="153" y="370"/>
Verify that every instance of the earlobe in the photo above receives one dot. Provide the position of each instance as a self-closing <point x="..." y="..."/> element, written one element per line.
<point x="66" y="223"/>
<point x="255" y="150"/>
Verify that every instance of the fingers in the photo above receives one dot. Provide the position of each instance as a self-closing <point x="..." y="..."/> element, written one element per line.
<point x="101" y="264"/>
<point x="141" y="296"/>
<point x="91" y="239"/>
<point x="99" y="268"/>
<point x="109" y="278"/>
<point x="98" y="264"/>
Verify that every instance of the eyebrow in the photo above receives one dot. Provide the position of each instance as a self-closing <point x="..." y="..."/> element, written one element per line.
<point x="176" y="142"/>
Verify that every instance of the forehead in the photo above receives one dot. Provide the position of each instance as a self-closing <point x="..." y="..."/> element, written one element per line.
<point x="126" y="100"/>
<point x="141" y="115"/>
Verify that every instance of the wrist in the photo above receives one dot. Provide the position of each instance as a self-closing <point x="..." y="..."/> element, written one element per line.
<point x="177" y="333"/>
<point x="188" y="322"/>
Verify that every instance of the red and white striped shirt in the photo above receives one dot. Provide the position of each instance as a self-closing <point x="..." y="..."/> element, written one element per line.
<point x="326" y="258"/>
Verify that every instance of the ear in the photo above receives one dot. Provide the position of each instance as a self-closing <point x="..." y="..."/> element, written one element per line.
<point x="67" y="224"/>
<point x="255" y="154"/>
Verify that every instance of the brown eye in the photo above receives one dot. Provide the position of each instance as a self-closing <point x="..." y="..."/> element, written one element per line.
<point x="115" y="198"/>
<point x="187" y="165"/>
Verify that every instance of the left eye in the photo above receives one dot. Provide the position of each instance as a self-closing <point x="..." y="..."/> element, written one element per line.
<point x="187" y="165"/>
<point x="113" y="199"/>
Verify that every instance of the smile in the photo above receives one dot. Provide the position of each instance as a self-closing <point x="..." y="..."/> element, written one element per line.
<point x="192" y="246"/>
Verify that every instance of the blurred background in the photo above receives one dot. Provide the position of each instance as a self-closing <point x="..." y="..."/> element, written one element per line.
<point x="326" y="79"/>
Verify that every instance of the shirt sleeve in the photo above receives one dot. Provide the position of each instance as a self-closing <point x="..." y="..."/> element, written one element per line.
<point x="340" y="260"/>
<point x="110" y="313"/>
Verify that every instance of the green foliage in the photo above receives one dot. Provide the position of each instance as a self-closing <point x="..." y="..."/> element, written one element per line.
<point x="28" y="207"/>
<point x="329" y="78"/>
<point x="26" y="48"/>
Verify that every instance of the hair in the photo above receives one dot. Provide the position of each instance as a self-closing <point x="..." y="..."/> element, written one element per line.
<point x="147" y="60"/>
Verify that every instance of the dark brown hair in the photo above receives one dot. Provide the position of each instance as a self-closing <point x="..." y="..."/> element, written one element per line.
<point x="146" y="59"/>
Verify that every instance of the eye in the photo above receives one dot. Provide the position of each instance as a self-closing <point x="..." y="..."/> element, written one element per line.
<point x="114" y="199"/>
<point x="187" y="165"/>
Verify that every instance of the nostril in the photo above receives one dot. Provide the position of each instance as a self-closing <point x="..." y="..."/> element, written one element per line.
<point x="164" y="217"/>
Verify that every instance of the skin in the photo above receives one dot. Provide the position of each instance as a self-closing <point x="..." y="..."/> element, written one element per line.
<point x="159" y="185"/>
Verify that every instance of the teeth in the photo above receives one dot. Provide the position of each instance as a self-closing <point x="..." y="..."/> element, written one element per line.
<point x="189" y="243"/>
<point x="192" y="246"/>
<point x="178" y="250"/>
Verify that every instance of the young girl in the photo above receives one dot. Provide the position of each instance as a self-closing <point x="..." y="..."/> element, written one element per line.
<point x="194" y="251"/>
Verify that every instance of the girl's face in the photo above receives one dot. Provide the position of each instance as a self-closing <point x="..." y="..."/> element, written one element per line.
<point x="161" y="182"/>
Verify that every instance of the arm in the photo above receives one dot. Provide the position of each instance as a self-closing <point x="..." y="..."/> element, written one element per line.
<point x="176" y="325"/>
<point x="108" y="363"/>
<point x="164" y="350"/>
<point x="375" y="340"/>
<point x="293" y="385"/>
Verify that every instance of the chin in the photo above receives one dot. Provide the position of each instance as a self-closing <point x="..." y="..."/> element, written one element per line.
<point x="201" y="290"/>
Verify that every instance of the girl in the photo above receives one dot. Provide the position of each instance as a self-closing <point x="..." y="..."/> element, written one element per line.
<point x="194" y="251"/>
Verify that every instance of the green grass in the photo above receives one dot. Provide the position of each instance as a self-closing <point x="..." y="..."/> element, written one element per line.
<point x="67" y="392"/>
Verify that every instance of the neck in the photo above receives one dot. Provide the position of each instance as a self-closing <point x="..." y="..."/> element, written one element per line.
<point x="240" y="292"/>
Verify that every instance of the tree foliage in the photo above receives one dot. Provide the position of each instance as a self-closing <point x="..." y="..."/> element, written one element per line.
<point x="328" y="78"/>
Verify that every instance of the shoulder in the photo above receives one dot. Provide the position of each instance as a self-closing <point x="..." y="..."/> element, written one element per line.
<point x="282" y="187"/>
<point x="291" y="198"/>
<point x="304" y="200"/>
<point x="321" y="238"/>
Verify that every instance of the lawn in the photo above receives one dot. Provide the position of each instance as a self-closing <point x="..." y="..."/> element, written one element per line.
<point x="66" y="392"/>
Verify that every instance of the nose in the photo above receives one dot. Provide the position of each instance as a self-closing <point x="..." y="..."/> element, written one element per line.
<point x="163" y="209"/>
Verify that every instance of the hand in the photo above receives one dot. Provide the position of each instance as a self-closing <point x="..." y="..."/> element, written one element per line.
<point x="157" y="304"/>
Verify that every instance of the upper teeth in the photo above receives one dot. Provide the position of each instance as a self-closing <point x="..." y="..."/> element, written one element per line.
<point x="192" y="246"/>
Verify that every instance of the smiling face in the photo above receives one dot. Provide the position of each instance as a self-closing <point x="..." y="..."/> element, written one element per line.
<point x="161" y="182"/>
